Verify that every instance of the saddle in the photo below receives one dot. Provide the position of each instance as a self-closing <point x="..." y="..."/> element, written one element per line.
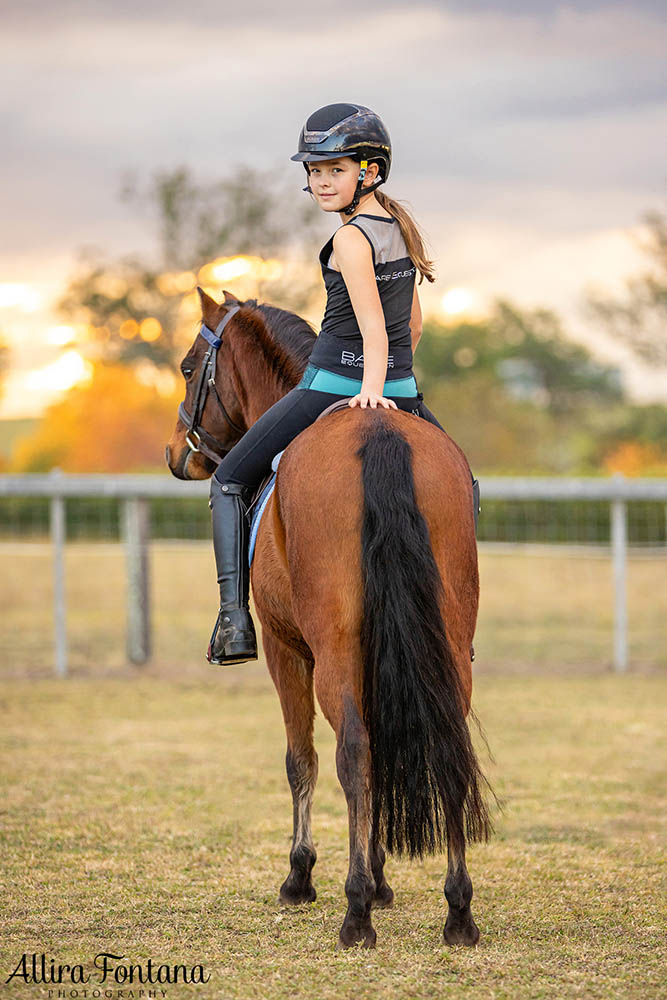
<point x="340" y="404"/>
<point x="265" y="489"/>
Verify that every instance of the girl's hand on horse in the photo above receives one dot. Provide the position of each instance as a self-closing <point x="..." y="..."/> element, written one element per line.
<point x="372" y="399"/>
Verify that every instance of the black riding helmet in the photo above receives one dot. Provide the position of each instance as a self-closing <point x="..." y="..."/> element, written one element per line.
<point x="346" y="130"/>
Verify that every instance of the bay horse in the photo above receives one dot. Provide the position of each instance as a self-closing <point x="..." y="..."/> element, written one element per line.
<point x="366" y="585"/>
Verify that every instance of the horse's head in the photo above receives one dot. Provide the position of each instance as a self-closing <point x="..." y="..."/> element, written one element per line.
<point x="210" y="421"/>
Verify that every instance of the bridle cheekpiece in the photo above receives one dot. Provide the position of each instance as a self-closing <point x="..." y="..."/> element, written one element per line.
<point x="198" y="439"/>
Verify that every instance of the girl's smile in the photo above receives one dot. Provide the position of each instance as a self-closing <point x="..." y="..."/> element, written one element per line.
<point x="333" y="182"/>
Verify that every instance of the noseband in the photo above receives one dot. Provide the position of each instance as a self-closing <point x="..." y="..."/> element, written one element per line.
<point x="196" y="437"/>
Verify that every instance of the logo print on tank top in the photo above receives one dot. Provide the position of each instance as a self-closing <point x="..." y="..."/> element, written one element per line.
<point x="357" y="360"/>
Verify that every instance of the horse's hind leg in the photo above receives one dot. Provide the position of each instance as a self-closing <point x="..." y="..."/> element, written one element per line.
<point x="384" y="894"/>
<point x="460" y="928"/>
<point x="353" y="765"/>
<point x="293" y="678"/>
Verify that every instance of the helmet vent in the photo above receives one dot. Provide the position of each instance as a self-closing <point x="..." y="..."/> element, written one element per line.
<point x="325" y="118"/>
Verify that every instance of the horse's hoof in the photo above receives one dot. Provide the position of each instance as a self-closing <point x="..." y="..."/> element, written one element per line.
<point x="384" y="898"/>
<point x="350" y="938"/>
<point x="459" y="932"/>
<point x="292" y="896"/>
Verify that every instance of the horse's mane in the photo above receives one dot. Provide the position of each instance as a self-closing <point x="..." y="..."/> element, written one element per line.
<point x="286" y="339"/>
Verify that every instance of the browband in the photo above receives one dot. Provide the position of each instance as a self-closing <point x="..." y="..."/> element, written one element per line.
<point x="215" y="338"/>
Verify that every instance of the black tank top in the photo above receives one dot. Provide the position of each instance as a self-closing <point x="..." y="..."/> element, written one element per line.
<point x="339" y="347"/>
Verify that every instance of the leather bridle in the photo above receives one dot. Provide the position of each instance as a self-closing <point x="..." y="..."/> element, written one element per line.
<point x="198" y="439"/>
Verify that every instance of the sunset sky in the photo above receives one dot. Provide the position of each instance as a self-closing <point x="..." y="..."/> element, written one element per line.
<point x="529" y="137"/>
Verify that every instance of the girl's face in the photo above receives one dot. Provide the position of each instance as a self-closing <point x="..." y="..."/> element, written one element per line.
<point x="333" y="182"/>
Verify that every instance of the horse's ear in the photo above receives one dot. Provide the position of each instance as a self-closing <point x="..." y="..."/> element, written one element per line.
<point x="229" y="298"/>
<point x="206" y="301"/>
<point x="209" y="308"/>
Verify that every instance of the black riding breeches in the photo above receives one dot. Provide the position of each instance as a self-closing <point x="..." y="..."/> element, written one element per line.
<point x="250" y="459"/>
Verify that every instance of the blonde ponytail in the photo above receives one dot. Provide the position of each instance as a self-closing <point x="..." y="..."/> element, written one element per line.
<point x="414" y="240"/>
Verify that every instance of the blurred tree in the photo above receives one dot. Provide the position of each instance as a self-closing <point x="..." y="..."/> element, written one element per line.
<point x="246" y="213"/>
<point x="506" y="435"/>
<point x="629" y="429"/>
<point x="118" y="422"/>
<point x="497" y="432"/>
<point x="132" y="310"/>
<point x="640" y="320"/>
<point x="525" y="352"/>
<point x="634" y="458"/>
<point x="519" y="397"/>
<point x="127" y="310"/>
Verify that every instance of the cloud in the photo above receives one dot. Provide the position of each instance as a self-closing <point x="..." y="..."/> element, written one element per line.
<point x="534" y="117"/>
<point x="31" y="14"/>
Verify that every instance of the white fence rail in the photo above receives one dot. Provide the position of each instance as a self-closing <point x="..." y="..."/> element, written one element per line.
<point x="134" y="492"/>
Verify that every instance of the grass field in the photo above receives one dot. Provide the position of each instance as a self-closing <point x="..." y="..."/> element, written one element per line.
<point x="151" y="817"/>
<point x="146" y="811"/>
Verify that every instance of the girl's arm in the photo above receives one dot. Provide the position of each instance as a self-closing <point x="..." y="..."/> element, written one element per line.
<point x="415" y="320"/>
<point x="355" y="259"/>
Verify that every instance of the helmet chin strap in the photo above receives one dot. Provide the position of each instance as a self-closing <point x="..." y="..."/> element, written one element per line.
<point x="360" y="189"/>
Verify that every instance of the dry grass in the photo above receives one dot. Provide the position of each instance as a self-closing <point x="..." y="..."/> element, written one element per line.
<point x="147" y="812"/>
<point x="152" y="817"/>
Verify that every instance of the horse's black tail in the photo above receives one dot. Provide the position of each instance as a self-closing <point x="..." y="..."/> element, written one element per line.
<point x="426" y="781"/>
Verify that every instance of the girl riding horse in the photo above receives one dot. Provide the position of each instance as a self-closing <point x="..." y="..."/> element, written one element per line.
<point x="371" y="326"/>
<point x="365" y="570"/>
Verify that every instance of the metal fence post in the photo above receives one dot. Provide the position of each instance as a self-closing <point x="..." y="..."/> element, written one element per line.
<point x="58" y="528"/>
<point x="619" y="554"/>
<point x="136" y="529"/>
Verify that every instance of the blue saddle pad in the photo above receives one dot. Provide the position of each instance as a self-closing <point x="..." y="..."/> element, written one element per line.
<point x="260" y="507"/>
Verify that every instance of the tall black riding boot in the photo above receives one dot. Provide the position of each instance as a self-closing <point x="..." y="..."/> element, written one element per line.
<point x="233" y="639"/>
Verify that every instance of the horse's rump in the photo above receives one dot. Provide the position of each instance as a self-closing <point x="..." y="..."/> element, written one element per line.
<point x="316" y="515"/>
<point x="377" y="525"/>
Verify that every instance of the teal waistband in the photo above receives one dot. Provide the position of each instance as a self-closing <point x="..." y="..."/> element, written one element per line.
<point x="324" y="381"/>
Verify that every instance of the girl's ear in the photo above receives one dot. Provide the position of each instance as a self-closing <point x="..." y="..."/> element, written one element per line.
<point x="371" y="174"/>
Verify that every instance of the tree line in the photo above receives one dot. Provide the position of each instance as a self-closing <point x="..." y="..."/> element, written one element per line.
<point x="513" y="389"/>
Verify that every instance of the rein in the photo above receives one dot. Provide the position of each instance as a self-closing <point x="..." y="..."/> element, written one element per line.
<point x="197" y="438"/>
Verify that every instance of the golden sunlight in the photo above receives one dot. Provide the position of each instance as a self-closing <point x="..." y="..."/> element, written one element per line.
<point x="176" y="283"/>
<point x="229" y="268"/>
<point x="226" y="268"/>
<point x="67" y="371"/>
<point x="59" y="336"/>
<point x="129" y="329"/>
<point x="19" y="295"/>
<point x="150" y="329"/>
<point x="456" y="301"/>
